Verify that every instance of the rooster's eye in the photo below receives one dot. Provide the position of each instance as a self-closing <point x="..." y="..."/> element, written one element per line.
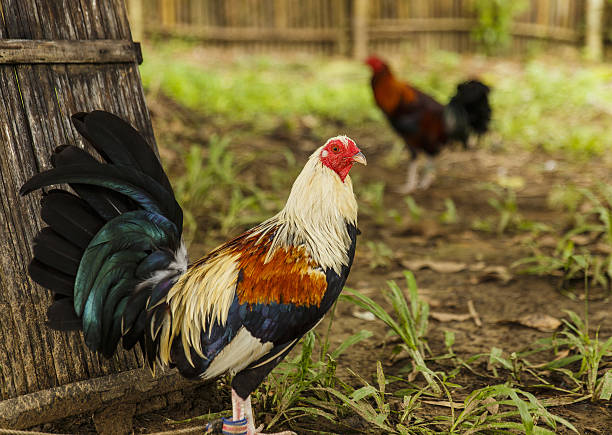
<point x="335" y="149"/>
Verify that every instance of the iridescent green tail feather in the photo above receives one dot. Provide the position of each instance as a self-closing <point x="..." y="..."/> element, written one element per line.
<point x="113" y="242"/>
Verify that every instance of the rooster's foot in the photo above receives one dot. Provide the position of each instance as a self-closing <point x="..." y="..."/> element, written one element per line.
<point x="244" y="423"/>
<point x="225" y="426"/>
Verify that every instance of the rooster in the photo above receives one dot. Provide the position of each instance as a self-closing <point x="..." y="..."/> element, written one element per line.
<point x="113" y="256"/>
<point x="423" y="123"/>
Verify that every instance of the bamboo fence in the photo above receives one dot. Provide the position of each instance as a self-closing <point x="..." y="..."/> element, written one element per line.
<point x="355" y="26"/>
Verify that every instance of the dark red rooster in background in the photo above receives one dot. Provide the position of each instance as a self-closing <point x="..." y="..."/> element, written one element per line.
<point x="423" y="123"/>
<point x="114" y="259"/>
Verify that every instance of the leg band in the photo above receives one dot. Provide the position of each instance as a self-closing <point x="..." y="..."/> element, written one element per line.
<point x="234" y="427"/>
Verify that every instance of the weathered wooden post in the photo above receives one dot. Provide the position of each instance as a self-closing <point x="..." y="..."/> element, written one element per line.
<point x="594" y="35"/>
<point x="360" y="28"/>
<point x="58" y="57"/>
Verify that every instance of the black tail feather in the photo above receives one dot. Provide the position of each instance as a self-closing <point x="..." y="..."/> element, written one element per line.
<point x="119" y="143"/>
<point x="70" y="217"/>
<point x="105" y="202"/>
<point x="50" y="278"/>
<point x="139" y="187"/>
<point x="61" y="316"/>
<point x="136" y="332"/>
<point x="57" y="252"/>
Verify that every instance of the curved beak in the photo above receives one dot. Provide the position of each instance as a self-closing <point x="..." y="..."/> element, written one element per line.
<point x="360" y="158"/>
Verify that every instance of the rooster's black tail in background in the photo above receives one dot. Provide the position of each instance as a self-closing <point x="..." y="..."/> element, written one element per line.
<point x="468" y="112"/>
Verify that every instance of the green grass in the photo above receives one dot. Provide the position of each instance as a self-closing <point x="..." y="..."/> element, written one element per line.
<point x="591" y="223"/>
<point x="304" y="385"/>
<point x="261" y="90"/>
<point x="546" y="104"/>
<point x="508" y="217"/>
<point x="555" y="106"/>
<point x="410" y="326"/>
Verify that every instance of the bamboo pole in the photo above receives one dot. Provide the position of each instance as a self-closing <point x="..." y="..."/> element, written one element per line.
<point x="360" y="28"/>
<point x="280" y="14"/>
<point x="136" y="19"/>
<point x="594" y="35"/>
<point x="341" y="25"/>
<point x="168" y="14"/>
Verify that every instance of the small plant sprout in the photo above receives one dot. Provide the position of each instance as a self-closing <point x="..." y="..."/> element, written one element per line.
<point x="505" y="203"/>
<point x="592" y="224"/>
<point x="358" y="400"/>
<point x="410" y="326"/>
<point x="380" y="254"/>
<point x="414" y="211"/>
<point x="212" y="173"/>
<point x="449" y="215"/>
<point x="492" y="409"/>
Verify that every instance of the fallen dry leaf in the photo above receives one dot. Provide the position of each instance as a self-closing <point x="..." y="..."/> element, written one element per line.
<point x="436" y="266"/>
<point x="581" y="239"/>
<point x="433" y="303"/>
<point x="548" y="242"/>
<point x="417" y="241"/>
<point x="539" y="321"/>
<point x="477" y="267"/>
<point x="364" y="315"/>
<point x="561" y="354"/>
<point x="520" y="239"/>
<point x="363" y="288"/>
<point x="602" y="248"/>
<point x="491" y="405"/>
<point x="449" y="317"/>
<point x="430" y="228"/>
<point x="468" y="235"/>
<point x="496" y="273"/>
<point x="565" y="400"/>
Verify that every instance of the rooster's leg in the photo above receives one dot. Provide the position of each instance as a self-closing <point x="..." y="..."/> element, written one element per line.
<point x="243" y="421"/>
<point x="412" y="177"/>
<point x="429" y="174"/>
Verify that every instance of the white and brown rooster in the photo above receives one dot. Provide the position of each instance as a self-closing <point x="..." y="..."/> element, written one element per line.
<point x="114" y="259"/>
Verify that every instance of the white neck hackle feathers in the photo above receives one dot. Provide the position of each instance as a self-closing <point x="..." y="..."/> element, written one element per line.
<point x="317" y="211"/>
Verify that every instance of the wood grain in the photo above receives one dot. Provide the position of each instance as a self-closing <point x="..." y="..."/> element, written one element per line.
<point x="16" y="51"/>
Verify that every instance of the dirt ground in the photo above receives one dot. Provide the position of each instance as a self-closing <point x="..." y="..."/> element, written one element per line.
<point x="498" y="300"/>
